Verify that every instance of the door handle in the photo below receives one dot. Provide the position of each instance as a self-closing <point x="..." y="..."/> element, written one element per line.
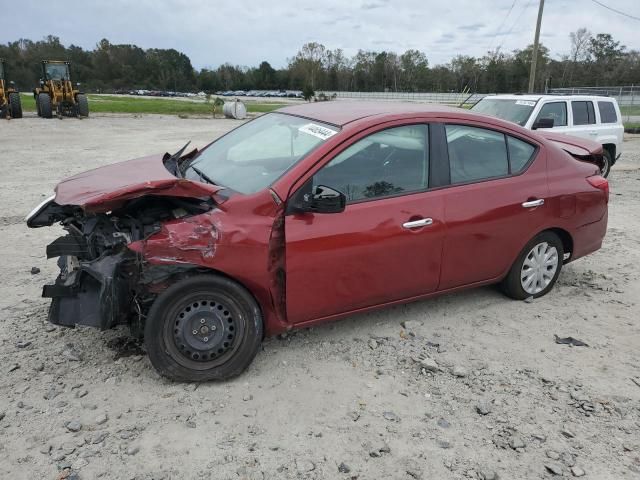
<point x="423" y="222"/>
<point x="533" y="203"/>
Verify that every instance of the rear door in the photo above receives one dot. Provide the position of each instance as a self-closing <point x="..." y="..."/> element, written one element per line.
<point x="385" y="246"/>
<point x="583" y="120"/>
<point x="494" y="205"/>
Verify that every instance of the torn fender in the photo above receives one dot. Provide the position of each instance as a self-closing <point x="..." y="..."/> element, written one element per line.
<point x="105" y="188"/>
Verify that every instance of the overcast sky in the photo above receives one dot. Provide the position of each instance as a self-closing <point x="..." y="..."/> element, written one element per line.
<point x="246" y="32"/>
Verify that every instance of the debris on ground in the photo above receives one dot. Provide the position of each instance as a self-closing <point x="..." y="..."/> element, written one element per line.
<point x="574" y="342"/>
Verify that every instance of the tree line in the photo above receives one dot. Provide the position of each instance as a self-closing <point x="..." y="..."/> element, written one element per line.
<point x="596" y="60"/>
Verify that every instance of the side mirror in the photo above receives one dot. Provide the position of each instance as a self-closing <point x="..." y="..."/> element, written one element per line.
<point x="543" y="123"/>
<point x="321" y="199"/>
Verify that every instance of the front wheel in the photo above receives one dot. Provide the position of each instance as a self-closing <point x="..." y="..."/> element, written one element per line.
<point x="203" y="328"/>
<point x="83" y="105"/>
<point x="535" y="271"/>
<point x="15" y="105"/>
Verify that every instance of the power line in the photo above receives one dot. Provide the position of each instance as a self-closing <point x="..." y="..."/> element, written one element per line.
<point x="524" y="8"/>
<point x="504" y="20"/>
<point x="617" y="11"/>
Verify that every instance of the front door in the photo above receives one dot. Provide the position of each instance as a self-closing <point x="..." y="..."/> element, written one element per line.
<point x="385" y="246"/>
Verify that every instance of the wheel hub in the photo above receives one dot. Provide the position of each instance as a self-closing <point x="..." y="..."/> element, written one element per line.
<point x="204" y="330"/>
<point x="539" y="268"/>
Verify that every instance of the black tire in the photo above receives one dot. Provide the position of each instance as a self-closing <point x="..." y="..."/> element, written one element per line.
<point x="608" y="161"/>
<point x="44" y="105"/>
<point x="15" y="105"/>
<point x="512" y="285"/>
<point x="179" y="354"/>
<point x="83" y="105"/>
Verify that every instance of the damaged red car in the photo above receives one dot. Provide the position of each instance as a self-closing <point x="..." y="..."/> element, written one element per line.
<point x="312" y="213"/>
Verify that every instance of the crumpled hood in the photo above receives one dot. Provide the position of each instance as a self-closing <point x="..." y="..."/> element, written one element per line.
<point x="105" y="188"/>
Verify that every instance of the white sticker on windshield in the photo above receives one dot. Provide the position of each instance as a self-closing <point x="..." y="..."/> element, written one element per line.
<point x="528" y="103"/>
<point x="317" y="131"/>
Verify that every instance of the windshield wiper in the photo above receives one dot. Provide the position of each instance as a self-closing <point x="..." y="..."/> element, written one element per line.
<point x="202" y="175"/>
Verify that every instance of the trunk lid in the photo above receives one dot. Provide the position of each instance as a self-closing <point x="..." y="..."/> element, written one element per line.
<point x="105" y="188"/>
<point x="579" y="148"/>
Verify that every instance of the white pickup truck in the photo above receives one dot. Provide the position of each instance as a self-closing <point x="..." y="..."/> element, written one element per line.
<point x="593" y="117"/>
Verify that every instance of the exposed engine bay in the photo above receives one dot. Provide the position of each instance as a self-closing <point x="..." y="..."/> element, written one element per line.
<point x="103" y="283"/>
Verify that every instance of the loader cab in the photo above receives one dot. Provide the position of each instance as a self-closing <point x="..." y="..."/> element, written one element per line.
<point x="57" y="71"/>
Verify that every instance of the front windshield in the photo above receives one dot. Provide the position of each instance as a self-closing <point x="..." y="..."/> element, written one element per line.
<point x="57" y="71"/>
<point x="517" y="111"/>
<point x="254" y="155"/>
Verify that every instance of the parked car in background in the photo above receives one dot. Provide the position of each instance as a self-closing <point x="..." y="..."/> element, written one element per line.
<point x="312" y="213"/>
<point x="596" y="118"/>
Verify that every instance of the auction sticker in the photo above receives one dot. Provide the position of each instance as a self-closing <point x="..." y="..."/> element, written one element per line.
<point x="528" y="103"/>
<point x="317" y="131"/>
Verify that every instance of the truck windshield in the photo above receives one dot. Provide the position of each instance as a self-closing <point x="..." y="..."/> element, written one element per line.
<point x="517" y="111"/>
<point x="254" y="155"/>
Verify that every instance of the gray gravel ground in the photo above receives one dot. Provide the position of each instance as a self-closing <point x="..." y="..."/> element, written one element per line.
<point x="469" y="385"/>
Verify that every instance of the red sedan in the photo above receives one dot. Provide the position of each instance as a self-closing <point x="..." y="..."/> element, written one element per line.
<point x="312" y="213"/>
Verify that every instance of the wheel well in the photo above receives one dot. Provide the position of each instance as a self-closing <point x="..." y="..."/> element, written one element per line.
<point x="565" y="237"/>
<point x="196" y="270"/>
<point x="611" y="148"/>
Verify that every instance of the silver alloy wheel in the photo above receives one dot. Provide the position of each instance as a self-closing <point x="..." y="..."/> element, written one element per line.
<point x="539" y="268"/>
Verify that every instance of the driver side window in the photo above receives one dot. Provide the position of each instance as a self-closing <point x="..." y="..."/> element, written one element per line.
<point x="390" y="162"/>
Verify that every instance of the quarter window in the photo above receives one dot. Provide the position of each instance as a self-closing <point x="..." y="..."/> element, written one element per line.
<point x="476" y="153"/>
<point x="519" y="153"/>
<point x="607" y="112"/>
<point x="583" y="113"/>
<point x="556" y="111"/>
<point x="389" y="162"/>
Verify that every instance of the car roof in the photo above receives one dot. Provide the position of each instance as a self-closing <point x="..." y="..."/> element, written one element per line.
<point x="535" y="98"/>
<point x="341" y="112"/>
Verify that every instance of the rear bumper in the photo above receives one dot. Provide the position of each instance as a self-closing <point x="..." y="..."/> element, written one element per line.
<point x="95" y="294"/>
<point x="588" y="238"/>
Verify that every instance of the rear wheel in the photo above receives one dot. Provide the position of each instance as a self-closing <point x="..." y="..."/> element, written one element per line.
<point x="203" y="328"/>
<point x="535" y="271"/>
<point x="83" y="105"/>
<point x="44" y="105"/>
<point x="608" y="161"/>
<point x="15" y="105"/>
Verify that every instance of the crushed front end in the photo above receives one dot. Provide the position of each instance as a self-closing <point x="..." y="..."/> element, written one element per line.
<point x="102" y="282"/>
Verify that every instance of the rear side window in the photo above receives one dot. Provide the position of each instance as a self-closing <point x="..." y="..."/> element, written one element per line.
<point x="583" y="113"/>
<point x="519" y="153"/>
<point x="556" y="111"/>
<point x="476" y="153"/>
<point x="607" y="112"/>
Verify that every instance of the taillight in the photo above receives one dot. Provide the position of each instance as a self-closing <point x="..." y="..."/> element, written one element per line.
<point x="600" y="183"/>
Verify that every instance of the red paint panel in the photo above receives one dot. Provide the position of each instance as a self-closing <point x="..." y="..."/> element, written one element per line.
<point x="105" y="188"/>
<point x="487" y="226"/>
<point x="362" y="256"/>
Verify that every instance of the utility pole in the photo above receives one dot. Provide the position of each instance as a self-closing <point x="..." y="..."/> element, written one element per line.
<point x="536" y="41"/>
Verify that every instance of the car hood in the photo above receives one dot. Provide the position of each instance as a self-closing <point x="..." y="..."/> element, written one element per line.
<point x="581" y="147"/>
<point x="105" y="188"/>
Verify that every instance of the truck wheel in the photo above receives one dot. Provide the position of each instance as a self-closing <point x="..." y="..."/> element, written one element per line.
<point x="203" y="328"/>
<point x="83" y="105"/>
<point x="608" y="160"/>
<point x="15" y="105"/>
<point x="44" y="105"/>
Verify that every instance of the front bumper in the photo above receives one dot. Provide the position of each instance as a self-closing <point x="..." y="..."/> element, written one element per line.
<point x="93" y="293"/>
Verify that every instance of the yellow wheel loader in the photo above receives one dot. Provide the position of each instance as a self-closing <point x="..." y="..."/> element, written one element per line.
<point x="56" y="94"/>
<point x="10" y="105"/>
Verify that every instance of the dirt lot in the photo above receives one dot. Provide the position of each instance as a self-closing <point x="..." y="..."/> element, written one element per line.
<point x="345" y="400"/>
